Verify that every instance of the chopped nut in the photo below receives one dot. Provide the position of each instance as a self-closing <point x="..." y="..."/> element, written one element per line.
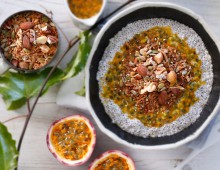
<point x="44" y="28"/>
<point x="143" y="52"/>
<point x="131" y="64"/>
<point x="160" y="70"/>
<point x="149" y="51"/>
<point x="150" y="88"/>
<point x="133" y="80"/>
<point x="26" y="25"/>
<point x="150" y="68"/>
<point x="52" y="24"/>
<point x="142" y="58"/>
<point x="172" y="77"/>
<point x="160" y="86"/>
<point x="142" y="70"/>
<point x="132" y="73"/>
<point x="44" y="48"/>
<point x="26" y="42"/>
<point x="51" y="39"/>
<point x="152" y="62"/>
<point x="23" y="65"/>
<point x="184" y="72"/>
<point x="158" y="58"/>
<point x="137" y="54"/>
<point x="41" y="40"/>
<point x="162" y="98"/>
<point x="133" y="92"/>
<point x="177" y="90"/>
<point x="14" y="62"/>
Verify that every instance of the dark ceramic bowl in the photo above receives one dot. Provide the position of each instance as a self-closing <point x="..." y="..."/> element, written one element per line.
<point x="9" y="65"/>
<point x="141" y="11"/>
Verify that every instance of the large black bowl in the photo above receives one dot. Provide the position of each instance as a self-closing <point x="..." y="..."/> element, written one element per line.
<point x="146" y="11"/>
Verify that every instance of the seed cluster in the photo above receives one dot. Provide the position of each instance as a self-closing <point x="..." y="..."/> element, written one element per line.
<point x="113" y="162"/>
<point x="71" y="139"/>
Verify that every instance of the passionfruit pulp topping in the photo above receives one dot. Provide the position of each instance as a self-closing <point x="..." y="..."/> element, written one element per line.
<point x="71" y="140"/>
<point x="113" y="159"/>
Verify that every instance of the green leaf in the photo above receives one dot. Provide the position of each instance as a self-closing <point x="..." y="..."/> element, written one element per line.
<point x="81" y="92"/>
<point x="79" y="60"/>
<point x="8" y="151"/>
<point x="16" y="88"/>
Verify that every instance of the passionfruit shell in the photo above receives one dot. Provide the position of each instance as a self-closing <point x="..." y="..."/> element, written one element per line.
<point x="102" y="157"/>
<point x="91" y="147"/>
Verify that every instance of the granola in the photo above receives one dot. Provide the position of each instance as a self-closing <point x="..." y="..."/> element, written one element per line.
<point x="29" y="40"/>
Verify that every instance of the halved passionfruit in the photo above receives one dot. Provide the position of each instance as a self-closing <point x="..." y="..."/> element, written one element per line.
<point x="113" y="159"/>
<point x="71" y="140"/>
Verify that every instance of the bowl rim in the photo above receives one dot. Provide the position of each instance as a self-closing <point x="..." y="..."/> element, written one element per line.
<point x="128" y="10"/>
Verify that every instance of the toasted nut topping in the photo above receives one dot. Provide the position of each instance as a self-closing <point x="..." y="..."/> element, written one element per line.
<point x="137" y="77"/>
<point x="172" y="77"/>
<point x="162" y="98"/>
<point x="14" y="62"/>
<point x="26" y="42"/>
<point x="150" y="88"/>
<point x="51" y="39"/>
<point x="158" y="58"/>
<point x="44" y="48"/>
<point x="160" y="86"/>
<point x="132" y="73"/>
<point x="142" y="58"/>
<point x="26" y="25"/>
<point x="143" y="52"/>
<point x="41" y="40"/>
<point x="142" y="70"/>
<point x="23" y="65"/>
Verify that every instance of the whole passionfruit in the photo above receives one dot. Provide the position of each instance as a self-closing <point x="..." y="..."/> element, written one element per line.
<point x="71" y="140"/>
<point x="113" y="159"/>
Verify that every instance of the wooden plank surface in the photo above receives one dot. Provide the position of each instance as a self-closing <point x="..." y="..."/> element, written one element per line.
<point x="34" y="154"/>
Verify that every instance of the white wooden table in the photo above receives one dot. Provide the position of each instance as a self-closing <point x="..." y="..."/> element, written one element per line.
<point x="34" y="154"/>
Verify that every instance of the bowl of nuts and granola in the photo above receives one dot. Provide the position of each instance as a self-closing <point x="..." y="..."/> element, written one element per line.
<point x="28" y="41"/>
<point x="152" y="76"/>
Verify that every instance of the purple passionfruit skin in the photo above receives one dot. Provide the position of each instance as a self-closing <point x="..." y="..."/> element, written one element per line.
<point x="102" y="157"/>
<point x="85" y="158"/>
